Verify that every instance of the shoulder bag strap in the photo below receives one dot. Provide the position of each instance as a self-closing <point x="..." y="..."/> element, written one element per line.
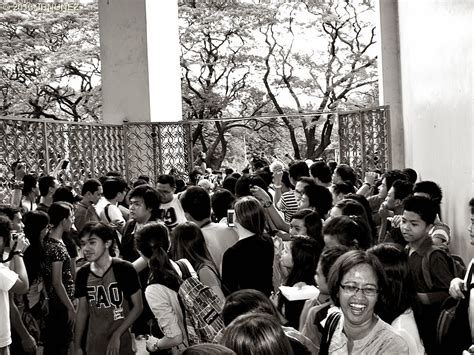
<point x="328" y="332"/>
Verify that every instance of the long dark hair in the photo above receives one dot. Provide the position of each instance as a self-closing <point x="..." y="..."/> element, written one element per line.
<point x="35" y="222"/>
<point x="153" y="242"/>
<point x="305" y="253"/>
<point x="401" y="292"/>
<point x="189" y="243"/>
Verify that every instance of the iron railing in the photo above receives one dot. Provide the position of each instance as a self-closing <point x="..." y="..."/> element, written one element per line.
<point x="362" y="140"/>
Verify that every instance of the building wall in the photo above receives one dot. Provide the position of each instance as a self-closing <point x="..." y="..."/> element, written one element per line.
<point x="436" y="56"/>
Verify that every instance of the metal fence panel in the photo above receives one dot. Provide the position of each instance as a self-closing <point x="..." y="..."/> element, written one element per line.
<point x="157" y="148"/>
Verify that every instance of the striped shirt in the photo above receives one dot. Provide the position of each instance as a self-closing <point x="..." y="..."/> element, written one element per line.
<point x="288" y="205"/>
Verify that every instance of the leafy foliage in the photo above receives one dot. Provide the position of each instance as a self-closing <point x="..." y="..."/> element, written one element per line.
<point x="244" y="58"/>
<point x="50" y="64"/>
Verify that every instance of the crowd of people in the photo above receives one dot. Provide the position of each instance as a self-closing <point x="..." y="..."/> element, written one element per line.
<point x="199" y="266"/>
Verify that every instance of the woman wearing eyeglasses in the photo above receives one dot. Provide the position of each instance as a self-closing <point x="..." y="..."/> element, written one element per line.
<point x="356" y="281"/>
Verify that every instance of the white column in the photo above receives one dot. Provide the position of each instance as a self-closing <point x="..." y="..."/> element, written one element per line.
<point x="390" y="92"/>
<point x="164" y="71"/>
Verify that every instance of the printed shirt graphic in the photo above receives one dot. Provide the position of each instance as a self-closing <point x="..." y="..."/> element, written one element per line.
<point x="108" y="308"/>
<point x="172" y="213"/>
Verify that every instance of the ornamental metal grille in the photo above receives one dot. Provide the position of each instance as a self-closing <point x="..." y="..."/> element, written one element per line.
<point x="362" y="139"/>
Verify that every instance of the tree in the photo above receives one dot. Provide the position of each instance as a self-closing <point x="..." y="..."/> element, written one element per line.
<point x="332" y="77"/>
<point x="245" y="59"/>
<point x="218" y="66"/>
<point x="51" y="64"/>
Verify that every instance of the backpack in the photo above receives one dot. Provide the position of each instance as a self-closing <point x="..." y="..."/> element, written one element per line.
<point x="458" y="269"/>
<point x="453" y="332"/>
<point x="202" y="307"/>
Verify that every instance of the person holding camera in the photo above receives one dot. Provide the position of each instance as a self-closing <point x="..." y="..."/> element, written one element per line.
<point x="13" y="278"/>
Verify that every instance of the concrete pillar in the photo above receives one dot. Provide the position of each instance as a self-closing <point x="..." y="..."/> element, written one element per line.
<point x="141" y="78"/>
<point x="123" y="48"/>
<point x="390" y="92"/>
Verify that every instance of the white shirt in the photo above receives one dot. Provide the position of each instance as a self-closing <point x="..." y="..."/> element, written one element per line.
<point x="171" y="213"/>
<point x="219" y="237"/>
<point x="7" y="280"/>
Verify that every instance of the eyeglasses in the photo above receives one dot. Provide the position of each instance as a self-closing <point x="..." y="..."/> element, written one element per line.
<point x="352" y="290"/>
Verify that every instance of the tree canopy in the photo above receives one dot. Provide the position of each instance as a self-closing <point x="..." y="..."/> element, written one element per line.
<point x="256" y="58"/>
<point x="50" y="64"/>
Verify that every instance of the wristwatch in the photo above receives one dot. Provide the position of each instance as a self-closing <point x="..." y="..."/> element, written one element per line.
<point x="267" y="204"/>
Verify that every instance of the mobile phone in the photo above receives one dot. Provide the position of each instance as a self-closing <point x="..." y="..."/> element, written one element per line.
<point x="65" y="164"/>
<point x="230" y="218"/>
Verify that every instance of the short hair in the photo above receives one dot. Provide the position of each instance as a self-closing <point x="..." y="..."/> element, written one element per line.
<point x="63" y="193"/>
<point x="431" y="188"/>
<point x="9" y="210"/>
<point x="343" y="188"/>
<point x="321" y="171"/>
<point x="411" y="173"/>
<point x="332" y="165"/>
<point x="44" y="183"/>
<point x="249" y="214"/>
<point x="393" y="175"/>
<point x="167" y="179"/>
<point x="312" y="221"/>
<point x="100" y="230"/>
<point x="329" y="256"/>
<point x="90" y="185"/>
<point x="351" y="231"/>
<point x="243" y="184"/>
<point x="298" y="169"/>
<point x="5" y="229"/>
<point x="319" y="197"/>
<point x="150" y="196"/>
<point x="221" y="201"/>
<point x="59" y="211"/>
<point x="256" y="333"/>
<point x="266" y="176"/>
<point x="245" y="301"/>
<point x="422" y="206"/>
<point x="112" y="187"/>
<point x="345" y="263"/>
<point x="401" y="292"/>
<point x="350" y="207"/>
<point x="228" y="171"/>
<point x="402" y="189"/>
<point x="197" y="202"/>
<point x="346" y="173"/>
<point x="471" y="205"/>
<point x="365" y="203"/>
<point x="193" y="175"/>
<point x="229" y="184"/>
<point x="30" y="181"/>
<point x="145" y="178"/>
<point x="285" y="179"/>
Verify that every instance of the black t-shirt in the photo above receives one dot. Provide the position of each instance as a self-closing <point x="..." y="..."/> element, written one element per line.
<point x="249" y="264"/>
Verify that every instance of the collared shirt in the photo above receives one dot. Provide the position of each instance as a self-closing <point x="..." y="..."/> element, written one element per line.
<point x="440" y="270"/>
